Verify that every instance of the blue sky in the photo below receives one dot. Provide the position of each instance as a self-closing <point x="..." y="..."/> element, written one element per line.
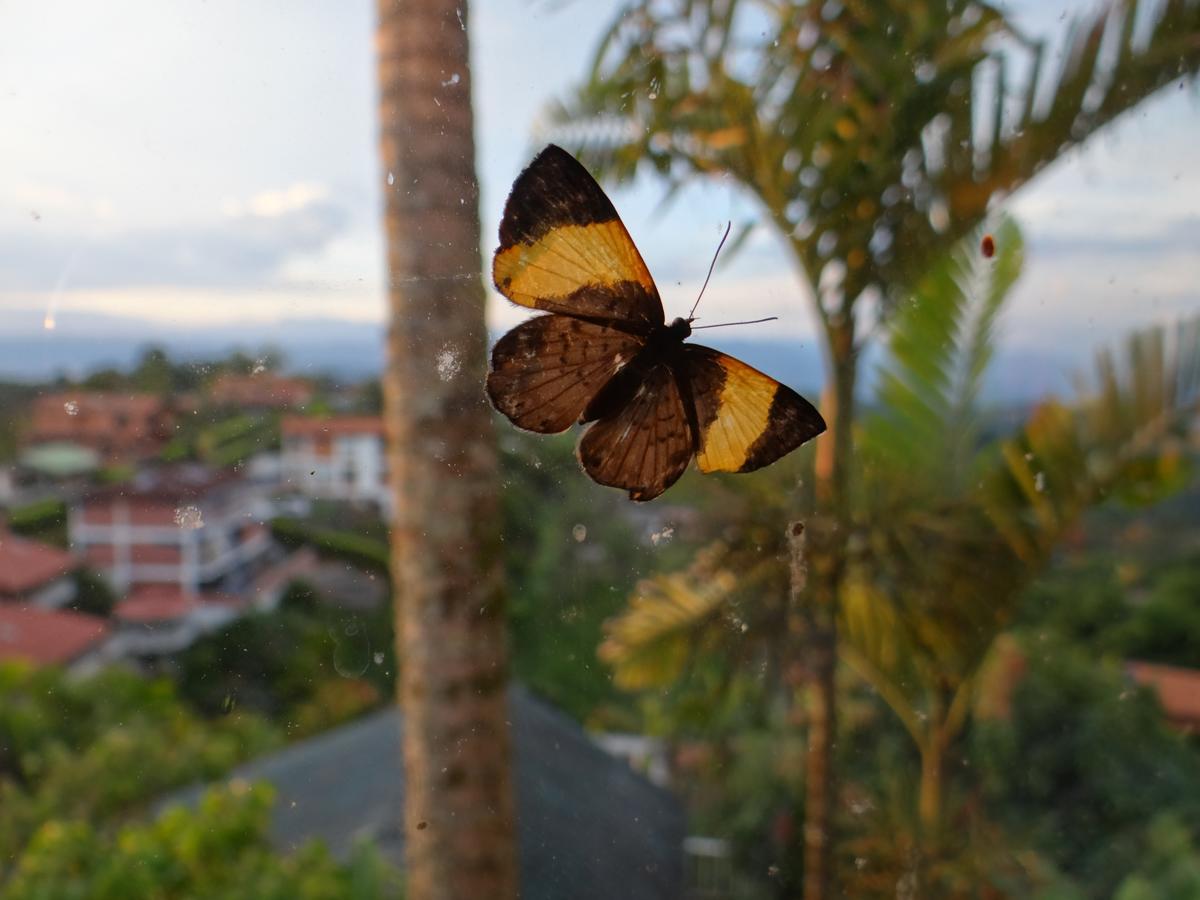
<point x="193" y="165"/>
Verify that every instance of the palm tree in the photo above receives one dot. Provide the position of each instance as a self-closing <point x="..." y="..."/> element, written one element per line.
<point x="947" y="528"/>
<point x="446" y="562"/>
<point x="872" y="134"/>
<point x="951" y="529"/>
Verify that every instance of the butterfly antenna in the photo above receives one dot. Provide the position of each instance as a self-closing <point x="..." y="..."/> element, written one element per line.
<point x="723" y="324"/>
<point x="711" y="266"/>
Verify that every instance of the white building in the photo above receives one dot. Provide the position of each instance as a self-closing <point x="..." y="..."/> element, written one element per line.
<point x="337" y="458"/>
<point x="182" y="526"/>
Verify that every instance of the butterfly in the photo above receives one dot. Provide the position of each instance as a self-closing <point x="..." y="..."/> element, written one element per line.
<point x="604" y="356"/>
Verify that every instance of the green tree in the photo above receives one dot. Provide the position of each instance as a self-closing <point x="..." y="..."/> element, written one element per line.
<point x="872" y="136"/>
<point x="93" y="594"/>
<point x="218" y="850"/>
<point x="947" y="529"/>
<point x="91" y="749"/>
<point x="1082" y="764"/>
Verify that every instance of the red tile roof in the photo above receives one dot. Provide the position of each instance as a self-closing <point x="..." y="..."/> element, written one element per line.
<point x="26" y="565"/>
<point x="1178" y="690"/>
<point x="116" y="424"/>
<point x="166" y="603"/>
<point x="263" y="390"/>
<point x="311" y="426"/>
<point x="48" y="636"/>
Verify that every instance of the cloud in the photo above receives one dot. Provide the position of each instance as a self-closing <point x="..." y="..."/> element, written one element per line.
<point x="247" y="248"/>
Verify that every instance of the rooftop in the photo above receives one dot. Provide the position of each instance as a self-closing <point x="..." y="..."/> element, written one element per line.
<point x="168" y="483"/>
<point x="1178" y="690"/>
<point x="48" y="636"/>
<point x="166" y="603"/>
<point x="26" y="565"/>
<point x="589" y="827"/>
<point x="313" y="426"/>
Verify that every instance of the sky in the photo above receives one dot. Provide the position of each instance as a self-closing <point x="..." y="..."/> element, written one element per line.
<point x="211" y="165"/>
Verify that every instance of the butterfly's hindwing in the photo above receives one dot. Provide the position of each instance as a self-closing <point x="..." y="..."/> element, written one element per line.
<point x="746" y="419"/>
<point x="647" y="444"/>
<point x="546" y="370"/>
<point x="564" y="249"/>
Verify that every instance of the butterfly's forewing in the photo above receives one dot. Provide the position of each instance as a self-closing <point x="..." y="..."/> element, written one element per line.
<point x="647" y="444"/>
<point x="546" y="370"/>
<point x="564" y="249"/>
<point x="746" y="420"/>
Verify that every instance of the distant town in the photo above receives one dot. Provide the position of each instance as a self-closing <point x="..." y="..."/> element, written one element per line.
<point x="166" y="499"/>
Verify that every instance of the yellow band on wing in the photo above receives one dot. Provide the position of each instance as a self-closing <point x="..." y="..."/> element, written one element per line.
<point x="743" y="414"/>
<point x="566" y="259"/>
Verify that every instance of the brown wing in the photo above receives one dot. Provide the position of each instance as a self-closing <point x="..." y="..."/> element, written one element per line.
<point x="746" y="419"/>
<point x="546" y="370"/>
<point x="646" y="445"/>
<point x="564" y="249"/>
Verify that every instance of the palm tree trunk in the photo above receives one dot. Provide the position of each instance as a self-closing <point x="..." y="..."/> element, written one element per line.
<point x="827" y="554"/>
<point x="446" y="565"/>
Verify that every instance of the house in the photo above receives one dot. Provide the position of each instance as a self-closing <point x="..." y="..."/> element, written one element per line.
<point x="53" y="637"/>
<point x="264" y="391"/>
<point x="158" y="620"/>
<point x="183" y="525"/>
<point x="120" y="427"/>
<point x="589" y="827"/>
<point x="1178" y="691"/>
<point x="35" y="574"/>
<point x="337" y="458"/>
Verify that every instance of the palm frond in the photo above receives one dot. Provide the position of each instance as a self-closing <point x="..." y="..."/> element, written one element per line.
<point x="940" y="340"/>
<point x="1124" y="437"/>
<point x="650" y="643"/>
<point x="872" y="138"/>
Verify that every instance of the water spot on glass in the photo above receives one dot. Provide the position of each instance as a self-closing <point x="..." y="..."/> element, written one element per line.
<point x="1039" y="482"/>
<point x="452" y="80"/>
<point x="351" y="649"/>
<point x="71" y="407"/>
<point x="448" y="363"/>
<point x="378" y="657"/>
<point x="663" y="536"/>
<point x="189" y="518"/>
<point x="391" y="178"/>
<point x="579" y="532"/>
<point x="260" y="366"/>
<point x="772" y="871"/>
<point x="860" y="863"/>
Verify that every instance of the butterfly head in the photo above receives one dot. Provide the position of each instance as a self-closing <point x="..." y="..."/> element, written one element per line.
<point x="680" y="329"/>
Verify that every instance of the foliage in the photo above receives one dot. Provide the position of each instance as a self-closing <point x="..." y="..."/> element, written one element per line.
<point x="15" y="398"/>
<point x="307" y="670"/>
<point x="43" y="519"/>
<point x="93" y="595"/>
<point x="1082" y="764"/>
<point x="872" y="134"/>
<point x="571" y="552"/>
<point x="1170" y="869"/>
<point x="1155" y="619"/>
<point x="218" y="850"/>
<point x="95" y="748"/>
<point x="361" y="551"/>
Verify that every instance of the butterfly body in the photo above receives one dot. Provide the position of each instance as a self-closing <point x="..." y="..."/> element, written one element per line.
<point x="663" y="345"/>
<point x="604" y="356"/>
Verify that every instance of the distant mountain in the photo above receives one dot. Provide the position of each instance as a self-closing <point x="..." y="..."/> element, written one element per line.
<point x="355" y="350"/>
